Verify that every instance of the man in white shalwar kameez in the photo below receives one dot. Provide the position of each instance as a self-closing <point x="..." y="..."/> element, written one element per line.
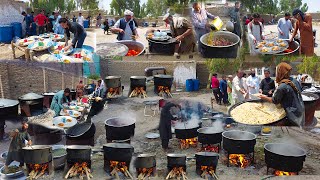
<point x="255" y="30"/>
<point x="238" y="90"/>
<point x="253" y="83"/>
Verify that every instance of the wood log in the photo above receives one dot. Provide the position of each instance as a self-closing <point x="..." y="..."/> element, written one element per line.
<point x="117" y="175"/>
<point x="131" y="94"/>
<point x="87" y="172"/>
<point x="68" y="173"/>
<point x="169" y="175"/>
<point x="39" y="175"/>
<point x="214" y="174"/>
<point x="35" y="174"/>
<point x="129" y="174"/>
<point x="81" y="177"/>
<point x="31" y="173"/>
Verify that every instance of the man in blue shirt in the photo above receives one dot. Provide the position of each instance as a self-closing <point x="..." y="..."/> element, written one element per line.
<point x="223" y="88"/>
<point x="30" y="29"/>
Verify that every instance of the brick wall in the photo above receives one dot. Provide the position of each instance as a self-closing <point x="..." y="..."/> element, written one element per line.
<point x="20" y="78"/>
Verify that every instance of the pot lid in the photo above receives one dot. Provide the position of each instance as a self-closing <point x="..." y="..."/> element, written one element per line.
<point x="4" y="103"/>
<point x="309" y="97"/>
<point x="110" y="50"/>
<point x="312" y="90"/>
<point x="163" y="76"/>
<point x="30" y="96"/>
<point x="113" y="77"/>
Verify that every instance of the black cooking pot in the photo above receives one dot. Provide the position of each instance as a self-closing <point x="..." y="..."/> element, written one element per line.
<point x="121" y="152"/>
<point x="209" y="135"/>
<point x="31" y="99"/>
<point x="238" y="142"/>
<point x="162" y="80"/>
<point x="37" y="154"/>
<point x="145" y="161"/>
<point x="81" y="131"/>
<point x="77" y="152"/>
<point x="138" y="81"/>
<point x="162" y="47"/>
<point x="310" y="107"/>
<point x="207" y="159"/>
<point x="112" y="81"/>
<point x="176" y="160"/>
<point x="186" y="132"/>
<point x="8" y="108"/>
<point x="284" y="157"/>
<point x="119" y="129"/>
<point x="230" y="51"/>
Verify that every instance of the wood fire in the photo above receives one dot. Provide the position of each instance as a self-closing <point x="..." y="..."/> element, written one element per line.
<point x="79" y="169"/>
<point x="112" y="92"/>
<point x="209" y="148"/>
<point x="283" y="173"/>
<point x="138" y="91"/>
<point x="119" y="167"/>
<point x="207" y="171"/>
<point x="163" y="90"/>
<point x="177" y="173"/>
<point x="240" y="160"/>
<point x="144" y="173"/>
<point x="38" y="170"/>
<point x="186" y="143"/>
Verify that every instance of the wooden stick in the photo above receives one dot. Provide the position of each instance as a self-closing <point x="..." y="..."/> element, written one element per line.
<point x="35" y="174"/>
<point x="39" y="175"/>
<point x="117" y="175"/>
<point x="129" y="174"/>
<point x="67" y="175"/>
<point x="87" y="172"/>
<point x="169" y="175"/>
<point x="214" y="174"/>
<point x="131" y="94"/>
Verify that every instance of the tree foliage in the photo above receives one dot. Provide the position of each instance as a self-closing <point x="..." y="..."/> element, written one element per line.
<point x="273" y="6"/>
<point x="53" y="5"/>
<point x="310" y="65"/>
<point x="290" y="5"/>
<point x="71" y="5"/>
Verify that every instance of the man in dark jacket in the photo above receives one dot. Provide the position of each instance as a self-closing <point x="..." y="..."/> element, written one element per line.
<point x="165" y="124"/>
<point x="267" y="85"/>
<point x="78" y="31"/>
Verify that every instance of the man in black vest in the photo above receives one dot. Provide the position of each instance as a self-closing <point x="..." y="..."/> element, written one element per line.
<point x="125" y="27"/>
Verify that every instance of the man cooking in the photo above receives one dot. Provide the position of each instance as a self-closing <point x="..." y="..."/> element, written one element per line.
<point x="304" y="25"/>
<point x="288" y="95"/>
<point x="166" y="118"/>
<point x="58" y="99"/>
<point x="125" y="27"/>
<point x="200" y="21"/>
<point x="238" y="91"/>
<point x="255" y="29"/>
<point x="235" y="18"/>
<point x="20" y="137"/>
<point x="78" y="31"/>
<point x="285" y="26"/>
<point x="253" y="83"/>
<point x="267" y="85"/>
<point x="181" y="30"/>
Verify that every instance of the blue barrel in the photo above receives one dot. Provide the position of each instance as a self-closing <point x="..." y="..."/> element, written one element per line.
<point x="17" y="29"/>
<point x="196" y="84"/>
<point x="86" y="24"/>
<point x="189" y="85"/>
<point x="6" y="32"/>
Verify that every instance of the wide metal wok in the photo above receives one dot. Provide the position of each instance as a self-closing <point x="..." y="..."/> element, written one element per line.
<point x="209" y="135"/>
<point x="119" y="128"/>
<point x="238" y="142"/>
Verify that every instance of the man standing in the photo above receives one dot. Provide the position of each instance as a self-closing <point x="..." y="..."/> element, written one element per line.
<point x="267" y="85"/>
<point x="78" y="31"/>
<point x="215" y="88"/>
<point x="238" y="91"/>
<point x="181" y="30"/>
<point x="79" y="89"/>
<point x="285" y="26"/>
<point x="255" y="29"/>
<point x="125" y="27"/>
<point x="28" y="19"/>
<point x="200" y="21"/>
<point x="223" y="89"/>
<point x="229" y="88"/>
<point x="235" y="18"/>
<point x="80" y="19"/>
<point x="106" y="26"/>
<point x="20" y="137"/>
<point x="99" y="17"/>
<point x="42" y="21"/>
<point x="74" y="19"/>
<point x="253" y="83"/>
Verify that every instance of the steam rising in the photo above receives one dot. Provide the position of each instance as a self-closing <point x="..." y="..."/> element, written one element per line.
<point x="125" y="118"/>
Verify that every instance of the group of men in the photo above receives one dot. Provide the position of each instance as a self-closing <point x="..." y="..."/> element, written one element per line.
<point x="231" y="90"/>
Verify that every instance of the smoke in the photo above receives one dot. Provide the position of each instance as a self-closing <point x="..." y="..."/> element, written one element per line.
<point x="218" y="126"/>
<point x="239" y="135"/>
<point x="124" y="118"/>
<point x="189" y="124"/>
<point x="287" y="146"/>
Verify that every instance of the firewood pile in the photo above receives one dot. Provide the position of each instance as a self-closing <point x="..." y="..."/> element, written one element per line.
<point x="138" y="92"/>
<point x="164" y="91"/>
<point x="177" y="173"/>
<point x="79" y="169"/>
<point x="112" y="92"/>
<point x="208" y="172"/>
<point x="144" y="173"/>
<point x="119" y="167"/>
<point x="37" y="171"/>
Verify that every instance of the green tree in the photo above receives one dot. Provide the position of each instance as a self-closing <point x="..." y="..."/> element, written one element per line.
<point x="310" y="65"/>
<point x="290" y="5"/>
<point x="118" y="7"/>
<point x="143" y="11"/>
<point x="262" y="6"/>
<point x="71" y="5"/>
<point x="155" y="8"/>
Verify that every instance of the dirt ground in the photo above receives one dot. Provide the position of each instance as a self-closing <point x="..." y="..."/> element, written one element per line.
<point x="133" y="107"/>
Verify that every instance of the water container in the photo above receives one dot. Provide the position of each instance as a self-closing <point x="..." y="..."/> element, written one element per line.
<point x="189" y="85"/>
<point x="196" y="84"/>
<point x="17" y="29"/>
<point x="86" y="24"/>
<point x="6" y="33"/>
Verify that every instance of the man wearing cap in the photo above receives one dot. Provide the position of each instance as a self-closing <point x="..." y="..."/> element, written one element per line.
<point x="181" y="30"/>
<point x="125" y="27"/>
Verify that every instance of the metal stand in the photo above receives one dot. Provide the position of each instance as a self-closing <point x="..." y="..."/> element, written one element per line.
<point x="153" y="105"/>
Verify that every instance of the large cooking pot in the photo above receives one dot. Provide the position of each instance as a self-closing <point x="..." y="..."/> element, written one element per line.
<point x="59" y="161"/>
<point x="31" y="99"/>
<point x="186" y="131"/>
<point x="294" y="46"/>
<point x="112" y="81"/>
<point x="162" y="80"/>
<point x="238" y="142"/>
<point x="145" y="161"/>
<point x="37" y="154"/>
<point x="230" y="51"/>
<point x="119" y="128"/>
<point x="118" y="152"/>
<point x="8" y="108"/>
<point x="310" y="105"/>
<point x="284" y="157"/>
<point x="315" y="91"/>
<point x="209" y="135"/>
<point x="133" y="45"/>
<point x="78" y="152"/>
<point x="207" y="159"/>
<point x="138" y="81"/>
<point x="176" y="160"/>
<point x="81" y="131"/>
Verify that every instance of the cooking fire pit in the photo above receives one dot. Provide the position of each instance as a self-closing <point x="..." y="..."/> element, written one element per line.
<point x="113" y="85"/>
<point x="38" y="159"/>
<point x="285" y="159"/>
<point x="176" y="165"/>
<point x="119" y="129"/>
<point x="31" y="104"/>
<point x="162" y="85"/>
<point x="138" y="86"/>
<point x="187" y="134"/>
<point x="206" y="164"/>
<point x="239" y="145"/>
<point x="117" y="158"/>
<point x="145" y="165"/>
<point x="210" y="139"/>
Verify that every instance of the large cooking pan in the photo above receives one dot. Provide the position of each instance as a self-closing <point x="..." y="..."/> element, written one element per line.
<point x="112" y="81"/>
<point x="209" y="135"/>
<point x="138" y="81"/>
<point x="118" y="152"/>
<point x="207" y="159"/>
<point x="284" y="157"/>
<point x="8" y="108"/>
<point x="84" y="130"/>
<point x="294" y="46"/>
<point x="230" y="51"/>
<point x="145" y="161"/>
<point x="119" y="128"/>
<point x="238" y="142"/>
<point x="31" y="99"/>
<point x="78" y="152"/>
<point x="176" y="160"/>
<point x="37" y="154"/>
<point x="186" y="131"/>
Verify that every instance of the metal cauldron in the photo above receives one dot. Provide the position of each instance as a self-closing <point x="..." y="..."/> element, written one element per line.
<point x="119" y="128"/>
<point x="37" y="154"/>
<point x="294" y="45"/>
<point x="8" y="108"/>
<point x="133" y="45"/>
<point x="112" y="81"/>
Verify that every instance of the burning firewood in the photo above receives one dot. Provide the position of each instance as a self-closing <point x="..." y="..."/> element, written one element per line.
<point x="37" y="171"/>
<point x="80" y="170"/>
<point x="144" y="173"/>
<point x="138" y="92"/>
<point x="119" y="167"/>
<point x="177" y="173"/>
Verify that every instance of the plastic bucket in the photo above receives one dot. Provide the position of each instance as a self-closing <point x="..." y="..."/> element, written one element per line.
<point x="17" y="29"/>
<point x="6" y="33"/>
<point x="189" y="85"/>
<point x="86" y="24"/>
<point x="196" y="84"/>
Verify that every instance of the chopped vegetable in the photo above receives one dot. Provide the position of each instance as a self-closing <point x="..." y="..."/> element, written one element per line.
<point x="11" y="170"/>
<point x="132" y="52"/>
